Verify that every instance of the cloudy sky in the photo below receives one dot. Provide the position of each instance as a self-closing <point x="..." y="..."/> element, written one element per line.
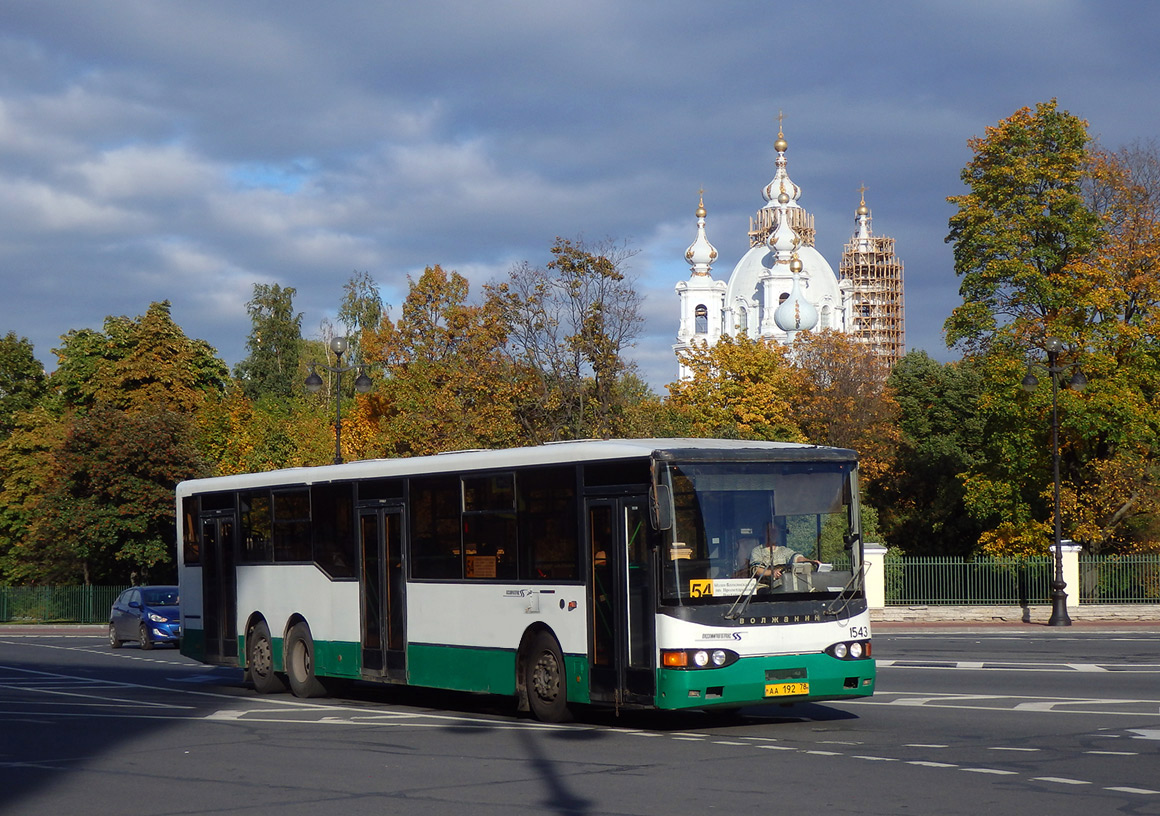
<point x="184" y="151"/>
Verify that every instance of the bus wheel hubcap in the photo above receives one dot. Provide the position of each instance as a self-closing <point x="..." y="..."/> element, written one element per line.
<point x="262" y="657"/>
<point x="546" y="677"/>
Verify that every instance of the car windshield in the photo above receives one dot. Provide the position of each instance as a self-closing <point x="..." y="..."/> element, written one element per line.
<point x="779" y="529"/>
<point x="160" y="597"/>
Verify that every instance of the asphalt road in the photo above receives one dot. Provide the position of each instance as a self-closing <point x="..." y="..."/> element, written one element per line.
<point x="1017" y="720"/>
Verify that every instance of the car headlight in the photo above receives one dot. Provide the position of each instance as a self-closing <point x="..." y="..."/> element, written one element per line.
<point x="855" y="649"/>
<point x="701" y="658"/>
<point x="840" y="650"/>
<point x="153" y="616"/>
<point x="719" y="657"/>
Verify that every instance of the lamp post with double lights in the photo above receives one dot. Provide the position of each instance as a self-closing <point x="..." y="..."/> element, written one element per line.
<point x="1053" y="346"/>
<point x="362" y="384"/>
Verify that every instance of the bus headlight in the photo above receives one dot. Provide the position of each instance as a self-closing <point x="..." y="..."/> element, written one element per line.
<point x="850" y="650"/>
<point x="697" y="658"/>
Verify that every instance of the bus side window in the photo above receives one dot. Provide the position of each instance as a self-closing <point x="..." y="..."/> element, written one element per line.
<point x="436" y="546"/>
<point x="291" y="531"/>
<point x="190" y="540"/>
<point x="334" y="530"/>
<point x="257" y="545"/>
<point x="549" y="544"/>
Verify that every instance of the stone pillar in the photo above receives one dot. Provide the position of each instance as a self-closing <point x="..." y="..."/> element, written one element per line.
<point x="874" y="569"/>
<point x="1070" y="572"/>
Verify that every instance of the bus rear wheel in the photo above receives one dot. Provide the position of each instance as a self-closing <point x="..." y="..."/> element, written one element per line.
<point x="260" y="660"/>
<point x="300" y="663"/>
<point x="544" y="680"/>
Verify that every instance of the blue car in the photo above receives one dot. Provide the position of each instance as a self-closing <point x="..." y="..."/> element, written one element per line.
<point x="147" y="615"/>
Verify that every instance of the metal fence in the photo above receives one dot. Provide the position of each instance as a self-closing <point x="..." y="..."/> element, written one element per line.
<point x="933" y="581"/>
<point x="1119" y="579"/>
<point x="83" y="604"/>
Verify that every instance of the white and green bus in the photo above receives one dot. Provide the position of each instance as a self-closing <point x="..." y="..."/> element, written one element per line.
<point x="649" y="573"/>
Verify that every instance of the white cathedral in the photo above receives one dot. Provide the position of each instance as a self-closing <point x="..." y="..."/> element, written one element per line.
<point x="783" y="285"/>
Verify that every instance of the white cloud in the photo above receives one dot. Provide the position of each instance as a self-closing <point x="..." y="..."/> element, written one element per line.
<point x="187" y="151"/>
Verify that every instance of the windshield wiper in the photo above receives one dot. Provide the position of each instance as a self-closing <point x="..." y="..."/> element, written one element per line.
<point x="744" y="598"/>
<point x="846" y="595"/>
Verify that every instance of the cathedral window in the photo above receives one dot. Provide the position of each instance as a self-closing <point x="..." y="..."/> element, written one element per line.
<point x="701" y="323"/>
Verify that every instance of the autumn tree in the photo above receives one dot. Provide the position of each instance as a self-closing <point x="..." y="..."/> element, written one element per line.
<point x="106" y="514"/>
<point x="741" y="388"/>
<point x="75" y="505"/>
<point x="447" y="384"/>
<point x="275" y="345"/>
<point x="142" y="363"/>
<point x="27" y="460"/>
<point x="570" y="325"/>
<point x="844" y="401"/>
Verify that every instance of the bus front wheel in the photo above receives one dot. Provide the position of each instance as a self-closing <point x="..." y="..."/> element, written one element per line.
<point x="544" y="679"/>
<point x="260" y="660"/>
<point x="300" y="663"/>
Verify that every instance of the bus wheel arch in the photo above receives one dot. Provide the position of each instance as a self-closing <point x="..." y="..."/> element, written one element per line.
<point x="299" y="662"/>
<point x="541" y="676"/>
<point x="260" y="658"/>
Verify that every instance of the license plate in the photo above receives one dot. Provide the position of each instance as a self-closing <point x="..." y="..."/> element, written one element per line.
<point x="786" y="689"/>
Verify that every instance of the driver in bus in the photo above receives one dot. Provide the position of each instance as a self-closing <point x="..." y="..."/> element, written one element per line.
<point x="771" y="559"/>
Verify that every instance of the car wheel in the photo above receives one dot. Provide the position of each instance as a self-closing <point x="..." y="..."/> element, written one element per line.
<point x="114" y="641"/>
<point x="143" y="637"/>
<point x="260" y="660"/>
<point x="300" y="663"/>
<point x="544" y="680"/>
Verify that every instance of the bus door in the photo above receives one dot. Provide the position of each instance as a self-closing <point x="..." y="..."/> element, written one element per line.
<point x="383" y="595"/>
<point x="219" y="613"/>
<point x="621" y="650"/>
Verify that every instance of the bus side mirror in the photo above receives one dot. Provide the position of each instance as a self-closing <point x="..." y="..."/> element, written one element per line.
<point x="661" y="502"/>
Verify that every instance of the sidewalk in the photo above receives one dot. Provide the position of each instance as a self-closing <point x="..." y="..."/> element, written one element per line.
<point x="1131" y="616"/>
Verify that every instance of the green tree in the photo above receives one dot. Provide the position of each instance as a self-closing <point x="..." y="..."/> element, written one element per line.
<point x="1056" y="240"/>
<point x="1020" y="228"/>
<point x="361" y="310"/>
<point x="22" y="380"/>
<point x="921" y="496"/>
<point x="273" y="367"/>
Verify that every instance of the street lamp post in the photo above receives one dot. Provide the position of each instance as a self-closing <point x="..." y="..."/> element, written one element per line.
<point x="1053" y="346"/>
<point x="362" y="384"/>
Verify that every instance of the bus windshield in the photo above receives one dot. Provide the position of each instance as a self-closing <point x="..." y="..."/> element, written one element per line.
<point x="769" y="529"/>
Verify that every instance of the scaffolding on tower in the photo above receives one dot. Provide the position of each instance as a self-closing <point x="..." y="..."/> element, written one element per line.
<point x="877" y="313"/>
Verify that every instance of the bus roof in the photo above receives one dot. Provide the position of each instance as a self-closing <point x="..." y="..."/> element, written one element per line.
<point x="585" y="450"/>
